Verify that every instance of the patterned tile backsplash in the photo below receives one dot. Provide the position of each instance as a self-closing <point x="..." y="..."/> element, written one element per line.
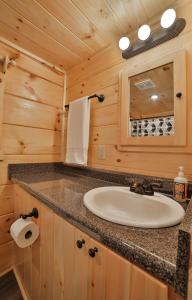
<point x="161" y="126"/>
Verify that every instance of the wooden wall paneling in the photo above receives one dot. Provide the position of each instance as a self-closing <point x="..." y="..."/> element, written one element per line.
<point x="104" y="135"/>
<point x="32" y="158"/>
<point x="5" y="224"/>
<point x="6" y="254"/>
<point x="27" y="85"/>
<point x="2" y="85"/>
<point x="85" y="25"/>
<point x="19" y="111"/>
<point x="26" y="140"/>
<point x="31" y="64"/>
<point x="104" y="116"/>
<point x="17" y="22"/>
<point x="14" y="37"/>
<point x="94" y="83"/>
<point x="71" y="17"/>
<point x="152" y="164"/>
<point x="51" y="26"/>
<point x="89" y="77"/>
<point x="31" y="132"/>
<point x="40" y="69"/>
<point x="6" y="199"/>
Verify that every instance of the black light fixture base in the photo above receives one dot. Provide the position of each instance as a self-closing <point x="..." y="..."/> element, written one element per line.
<point x="157" y="37"/>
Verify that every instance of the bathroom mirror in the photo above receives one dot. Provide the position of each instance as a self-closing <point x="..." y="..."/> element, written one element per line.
<point x="151" y="110"/>
<point x="153" y="102"/>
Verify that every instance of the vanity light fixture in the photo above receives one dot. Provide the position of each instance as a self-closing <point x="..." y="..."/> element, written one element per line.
<point x="170" y="27"/>
<point x="144" y="32"/>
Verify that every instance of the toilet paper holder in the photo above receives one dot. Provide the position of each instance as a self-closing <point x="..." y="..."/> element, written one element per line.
<point x="34" y="214"/>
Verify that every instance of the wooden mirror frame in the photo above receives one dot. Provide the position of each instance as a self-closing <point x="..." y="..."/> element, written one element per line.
<point x="2" y="86"/>
<point x="180" y="104"/>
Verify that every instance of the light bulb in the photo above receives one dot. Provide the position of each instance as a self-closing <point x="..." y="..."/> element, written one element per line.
<point x="168" y="18"/>
<point x="124" y="43"/>
<point x="154" y="97"/>
<point x="144" y="32"/>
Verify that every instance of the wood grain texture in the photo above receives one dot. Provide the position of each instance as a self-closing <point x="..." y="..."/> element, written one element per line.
<point x="151" y="288"/>
<point x="65" y="33"/>
<point x="19" y="111"/>
<point x="101" y="73"/>
<point x="6" y="199"/>
<point x="55" y="268"/>
<point x="27" y="140"/>
<point x="27" y="85"/>
<point x="30" y="126"/>
<point x="6" y="254"/>
<point x="5" y="224"/>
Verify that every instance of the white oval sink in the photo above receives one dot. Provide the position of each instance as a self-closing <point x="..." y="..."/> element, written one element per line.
<point x="119" y="205"/>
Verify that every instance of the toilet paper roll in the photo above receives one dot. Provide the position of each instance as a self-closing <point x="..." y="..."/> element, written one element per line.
<point x="24" y="232"/>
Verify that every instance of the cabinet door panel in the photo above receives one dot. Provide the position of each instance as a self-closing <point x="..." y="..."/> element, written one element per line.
<point x="144" y="286"/>
<point x="97" y="272"/>
<point x="118" y="277"/>
<point x="81" y="268"/>
<point x="63" y="259"/>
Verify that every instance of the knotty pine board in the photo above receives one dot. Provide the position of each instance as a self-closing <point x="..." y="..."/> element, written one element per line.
<point x="100" y="74"/>
<point x="31" y="128"/>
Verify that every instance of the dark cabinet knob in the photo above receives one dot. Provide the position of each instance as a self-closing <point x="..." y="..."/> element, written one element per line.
<point x="92" y="251"/>
<point x="80" y="243"/>
<point x="179" y="95"/>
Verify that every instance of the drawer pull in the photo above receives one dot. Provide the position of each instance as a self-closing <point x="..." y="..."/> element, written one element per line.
<point x="80" y="243"/>
<point x="93" y="251"/>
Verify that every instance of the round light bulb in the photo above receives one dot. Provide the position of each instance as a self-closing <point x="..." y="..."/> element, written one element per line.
<point x="168" y="18"/>
<point x="154" y="97"/>
<point x="124" y="43"/>
<point x="144" y="32"/>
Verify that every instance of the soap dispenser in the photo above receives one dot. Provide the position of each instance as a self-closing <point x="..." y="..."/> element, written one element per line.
<point x="180" y="186"/>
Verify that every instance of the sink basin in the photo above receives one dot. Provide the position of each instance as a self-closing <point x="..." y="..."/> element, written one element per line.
<point x="119" y="205"/>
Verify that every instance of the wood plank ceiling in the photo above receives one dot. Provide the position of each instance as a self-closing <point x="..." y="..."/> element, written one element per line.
<point x="64" y="32"/>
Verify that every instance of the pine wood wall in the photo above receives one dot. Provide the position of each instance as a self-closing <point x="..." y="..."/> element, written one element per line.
<point x="31" y="128"/>
<point x="100" y="74"/>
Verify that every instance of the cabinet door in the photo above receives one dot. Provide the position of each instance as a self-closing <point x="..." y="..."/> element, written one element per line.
<point x="97" y="271"/>
<point x="63" y="261"/>
<point x="118" y="277"/>
<point x="144" y="286"/>
<point x="81" y="267"/>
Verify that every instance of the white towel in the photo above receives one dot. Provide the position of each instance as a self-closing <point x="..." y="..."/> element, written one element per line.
<point x="78" y="131"/>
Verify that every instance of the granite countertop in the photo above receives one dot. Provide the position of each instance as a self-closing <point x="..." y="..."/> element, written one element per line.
<point x="164" y="253"/>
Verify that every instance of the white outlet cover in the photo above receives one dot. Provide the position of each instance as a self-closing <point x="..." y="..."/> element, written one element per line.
<point x="101" y="152"/>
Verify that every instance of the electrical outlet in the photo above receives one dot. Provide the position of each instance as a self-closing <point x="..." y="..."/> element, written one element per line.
<point x="101" y="152"/>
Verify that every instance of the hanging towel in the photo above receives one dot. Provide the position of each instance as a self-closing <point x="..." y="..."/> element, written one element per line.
<point x="78" y="131"/>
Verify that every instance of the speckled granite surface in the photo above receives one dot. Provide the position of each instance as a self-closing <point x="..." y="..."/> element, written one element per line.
<point x="162" y="252"/>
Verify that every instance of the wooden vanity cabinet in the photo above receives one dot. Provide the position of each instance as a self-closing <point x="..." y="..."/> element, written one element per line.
<point x="57" y="267"/>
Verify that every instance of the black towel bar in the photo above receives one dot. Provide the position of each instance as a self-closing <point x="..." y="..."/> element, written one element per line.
<point x="101" y="98"/>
